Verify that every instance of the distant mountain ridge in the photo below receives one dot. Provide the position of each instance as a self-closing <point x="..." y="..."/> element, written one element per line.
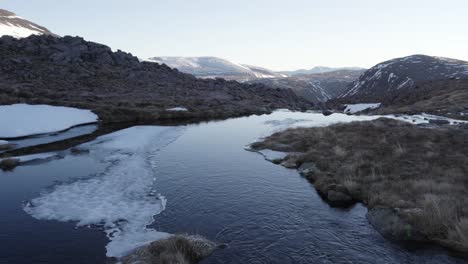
<point x="213" y="67"/>
<point x="18" y="27"/>
<point x="320" y="69"/>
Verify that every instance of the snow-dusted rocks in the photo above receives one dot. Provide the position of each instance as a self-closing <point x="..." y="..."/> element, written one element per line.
<point x="24" y="120"/>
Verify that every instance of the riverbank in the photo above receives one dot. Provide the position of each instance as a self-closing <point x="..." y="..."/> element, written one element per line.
<point x="412" y="179"/>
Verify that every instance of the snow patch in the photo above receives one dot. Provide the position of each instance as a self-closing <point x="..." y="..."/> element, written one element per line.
<point x="17" y="32"/>
<point x="122" y="200"/>
<point x="354" y="108"/>
<point x="25" y="120"/>
<point x="177" y="109"/>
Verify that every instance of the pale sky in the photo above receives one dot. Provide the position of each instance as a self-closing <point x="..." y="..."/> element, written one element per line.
<point x="280" y="35"/>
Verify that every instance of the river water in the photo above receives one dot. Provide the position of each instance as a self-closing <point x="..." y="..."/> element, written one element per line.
<point x="141" y="183"/>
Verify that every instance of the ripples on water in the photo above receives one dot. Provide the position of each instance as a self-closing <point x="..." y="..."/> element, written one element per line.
<point x="264" y="212"/>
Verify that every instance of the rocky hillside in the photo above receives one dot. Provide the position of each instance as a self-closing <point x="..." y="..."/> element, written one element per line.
<point x="397" y="75"/>
<point x="18" y="27"/>
<point x="318" y="87"/>
<point x="413" y="84"/>
<point x="213" y="67"/>
<point x="70" y="71"/>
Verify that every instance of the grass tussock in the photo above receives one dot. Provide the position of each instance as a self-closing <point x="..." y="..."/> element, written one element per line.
<point x="9" y="164"/>
<point x="178" y="249"/>
<point x="421" y="172"/>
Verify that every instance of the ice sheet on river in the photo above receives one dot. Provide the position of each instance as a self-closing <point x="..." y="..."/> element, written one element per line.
<point x="25" y="120"/>
<point x="122" y="199"/>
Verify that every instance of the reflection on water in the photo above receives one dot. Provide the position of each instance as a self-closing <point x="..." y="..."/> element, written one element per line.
<point x="213" y="187"/>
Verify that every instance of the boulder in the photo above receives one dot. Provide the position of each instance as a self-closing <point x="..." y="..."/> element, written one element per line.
<point x="439" y="121"/>
<point x="307" y="169"/>
<point x="339" y="199"/>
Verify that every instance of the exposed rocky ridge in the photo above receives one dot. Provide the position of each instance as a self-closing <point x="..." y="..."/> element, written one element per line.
<point x="70" y="71"/>
<point x="213" y="67"/>
<point x="11" y="24"/>
<point x="318" y="87"/>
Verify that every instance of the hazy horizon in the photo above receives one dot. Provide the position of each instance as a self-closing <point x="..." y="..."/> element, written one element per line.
<point x="277" y="35"/>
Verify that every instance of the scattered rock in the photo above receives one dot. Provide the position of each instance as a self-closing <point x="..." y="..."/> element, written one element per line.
<point x="439" y="121"/>
<point x="327" y="112"/>
<point x="307" y="169"/>
<point x="390" y="225"/>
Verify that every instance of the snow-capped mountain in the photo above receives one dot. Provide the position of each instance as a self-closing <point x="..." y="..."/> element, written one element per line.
<point x="18" y="27"/>
<point x="213" y="67"/>
<point x="320" y="69"/>
<point x="318" y="87"/>
<point x="397" y="75"/>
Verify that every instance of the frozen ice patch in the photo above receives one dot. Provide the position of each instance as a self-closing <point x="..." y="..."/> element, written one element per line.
<point x="24" y="120"/>
<point x="39" y="156"/>
<point x="272" y="155"/>
<point x="123" y="199"/>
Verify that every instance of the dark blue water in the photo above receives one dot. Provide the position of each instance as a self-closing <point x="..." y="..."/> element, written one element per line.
<point x="264" y="212"/>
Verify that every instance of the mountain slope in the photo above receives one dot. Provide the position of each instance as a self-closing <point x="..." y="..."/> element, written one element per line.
<point x="13" y="25"/>
<point x="70" y="71"/>
<point x="213" y="67"/>
<point x="413" y="84"/>
<point x="318" y="87"/>
<point x="402" y="74"/>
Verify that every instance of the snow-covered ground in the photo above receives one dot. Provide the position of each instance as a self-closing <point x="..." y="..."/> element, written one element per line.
<point x="24" y="120"/>
<point x="177" y="109"/>
<point x="123" y="199"/>
<point x="16" y="31"/>
<point x="355" y="108"/>
<point x="3" y="142"/>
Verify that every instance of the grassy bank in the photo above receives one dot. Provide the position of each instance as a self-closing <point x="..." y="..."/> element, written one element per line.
<point x="420" y="174"/>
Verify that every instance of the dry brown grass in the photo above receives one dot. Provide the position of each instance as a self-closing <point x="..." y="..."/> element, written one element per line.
<point x="178" y="249"/>
<point x="421" y="171"/>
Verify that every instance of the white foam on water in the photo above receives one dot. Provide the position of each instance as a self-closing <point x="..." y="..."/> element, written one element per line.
<point x="123" y="199"/>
